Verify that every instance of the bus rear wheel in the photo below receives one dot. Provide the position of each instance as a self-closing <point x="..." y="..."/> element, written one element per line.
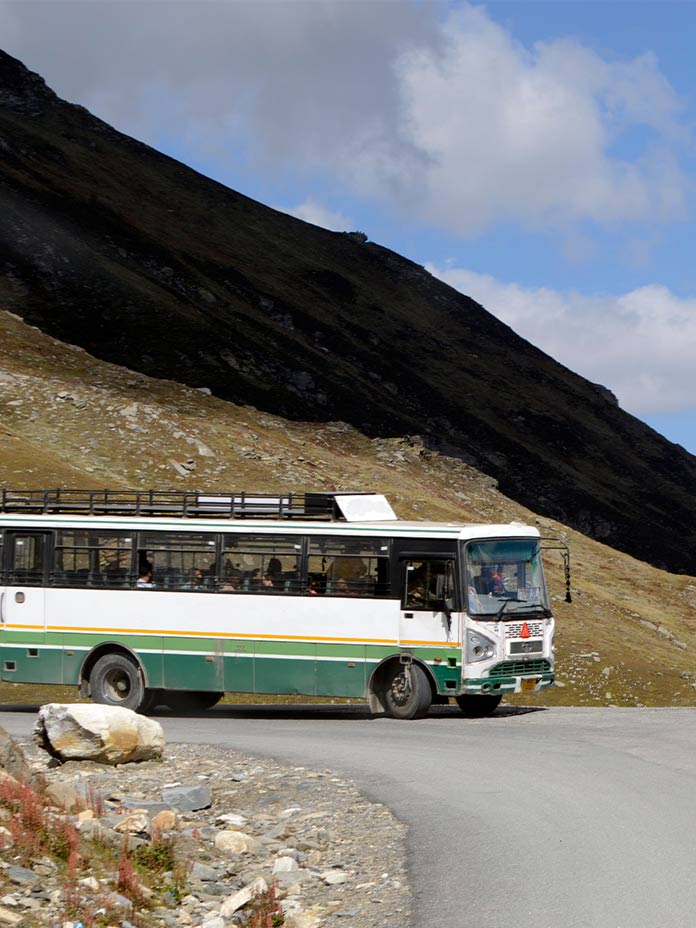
<point x="477" y="707"/>
<point x="116" y="680"/>
<point x="407" y="694"/>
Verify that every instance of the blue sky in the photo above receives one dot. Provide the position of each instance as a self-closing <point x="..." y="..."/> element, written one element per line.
<point x="539" y="156"/>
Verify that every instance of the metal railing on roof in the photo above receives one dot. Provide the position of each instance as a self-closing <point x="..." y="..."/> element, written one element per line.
<point x="183" y="504"/>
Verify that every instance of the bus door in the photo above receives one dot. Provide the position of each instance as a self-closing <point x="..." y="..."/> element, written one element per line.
<point x="428" y="601"/>
<point x="22" y="596"/>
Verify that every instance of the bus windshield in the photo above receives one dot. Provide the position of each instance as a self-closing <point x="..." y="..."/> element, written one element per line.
<point x="504" y="577"/>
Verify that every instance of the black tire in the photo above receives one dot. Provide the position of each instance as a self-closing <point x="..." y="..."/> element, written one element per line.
<point x="406" y="698"/>
<point x="116" y="680"/>
<point x="189" y="701"/>
<point x="477" y="707"/>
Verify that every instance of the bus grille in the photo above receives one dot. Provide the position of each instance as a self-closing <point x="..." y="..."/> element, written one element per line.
<point x="515" y="668"/>
<point x="514" y="629"/>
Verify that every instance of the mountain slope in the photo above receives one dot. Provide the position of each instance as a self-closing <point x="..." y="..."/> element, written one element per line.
<point x="109" y="245"/>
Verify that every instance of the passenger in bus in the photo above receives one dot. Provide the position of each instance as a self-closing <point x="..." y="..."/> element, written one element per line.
<point x="497" y="582"/>
<point x="341" y="588"/>
<point x="418" y="592"/>
<point x="275" y="572"/>
<point x="490" y="582"/>
<point x="196" y="580"/>
<point x="260" y="582"/>
<point x="232" y="583"/>
<point x="144" y="581"/>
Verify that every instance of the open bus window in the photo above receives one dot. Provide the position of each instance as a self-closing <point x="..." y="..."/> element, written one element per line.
<point x="428" y="585"/>
<point x="179" y="560"/>
<point x="28" y="559"/>
<point x="84" y="557"/>
<point x="348" y="566"/>
<point x="261" y="563"/>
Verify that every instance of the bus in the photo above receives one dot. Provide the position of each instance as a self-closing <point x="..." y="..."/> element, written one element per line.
<point x="147" y="598"/>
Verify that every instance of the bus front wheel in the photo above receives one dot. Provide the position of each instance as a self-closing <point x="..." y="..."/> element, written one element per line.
<point x="116" y="680"/>
<point x="407" y="694"/>
<point x="477" y="707"/>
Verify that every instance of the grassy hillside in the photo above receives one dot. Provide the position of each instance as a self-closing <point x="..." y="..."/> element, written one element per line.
<point x="68" y="419"/>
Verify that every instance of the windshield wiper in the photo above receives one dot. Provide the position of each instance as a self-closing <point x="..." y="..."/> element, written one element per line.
<point x="530" y="606"/>
<point x="512" y="599"/>
<point x="547" y="612"/>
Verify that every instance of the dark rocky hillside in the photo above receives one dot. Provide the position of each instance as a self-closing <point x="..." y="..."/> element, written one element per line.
<point x="109" y="245"/>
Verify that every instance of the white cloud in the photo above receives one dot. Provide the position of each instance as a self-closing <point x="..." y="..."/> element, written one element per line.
<point x="640" y="345"/>
<point x="438" y="112"/>
<point x="318" y="215"/>
<point x="530" y="135"/>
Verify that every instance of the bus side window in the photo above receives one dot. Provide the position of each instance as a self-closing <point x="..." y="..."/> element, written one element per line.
<point x="349" y="566"/>
<point x="261" y="563"/>
<point x="28" y="559"/>
<point x="428" y="585"/>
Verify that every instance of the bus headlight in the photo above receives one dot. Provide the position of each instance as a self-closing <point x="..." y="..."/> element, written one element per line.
<point x="478" y="647"/>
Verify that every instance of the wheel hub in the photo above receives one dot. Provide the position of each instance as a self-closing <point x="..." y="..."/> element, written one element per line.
<point x="400" y="689"/>
<point x="119" y="685"/>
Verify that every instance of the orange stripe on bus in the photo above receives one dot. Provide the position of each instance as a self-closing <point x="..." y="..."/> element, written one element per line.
<point x="240" y="635"/>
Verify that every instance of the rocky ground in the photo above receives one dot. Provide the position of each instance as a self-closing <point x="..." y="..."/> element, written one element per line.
<point x="236" y="823"/>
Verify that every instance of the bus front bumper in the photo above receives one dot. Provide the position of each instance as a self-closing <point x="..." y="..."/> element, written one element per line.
<point x="487" y="686"/>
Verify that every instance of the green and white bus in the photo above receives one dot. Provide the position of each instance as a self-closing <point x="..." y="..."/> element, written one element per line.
<point x="169" y="598"/>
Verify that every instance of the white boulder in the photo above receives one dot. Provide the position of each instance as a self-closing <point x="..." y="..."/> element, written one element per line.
<point x="105" y="734"/>
<point x="234" y="842"/>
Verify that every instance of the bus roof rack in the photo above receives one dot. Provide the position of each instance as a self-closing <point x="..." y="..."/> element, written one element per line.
<point x="198" y="504"/>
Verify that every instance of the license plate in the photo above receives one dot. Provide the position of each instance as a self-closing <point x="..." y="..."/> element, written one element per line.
<point x="526" y="647"/>
<point x="528" y="685"/>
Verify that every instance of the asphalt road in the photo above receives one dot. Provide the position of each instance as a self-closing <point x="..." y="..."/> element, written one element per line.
<point x="559" y="818"/>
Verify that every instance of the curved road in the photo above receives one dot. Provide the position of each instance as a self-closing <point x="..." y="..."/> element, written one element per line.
<point x="558" y="818"/>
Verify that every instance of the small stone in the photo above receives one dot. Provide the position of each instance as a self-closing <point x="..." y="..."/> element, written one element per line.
<point x="8" y="917"/>
<point x="166" y="820"/>
<point x="204" y="873"/>
<point x="302" y="920"/>
<point x="216" y="921"/>
<point x="21" y="875"/>
<point x="285" y="865"/>
<point x="229" y="818"/>
<point x="63" y="794"/>
<point x="152" y="808"/>
<point x="90" y="882"/>
<point x="136" y="824"/>
<point x="188" y="798"/>
<point x="234" y="842"/>
<point x="242" y="897"/>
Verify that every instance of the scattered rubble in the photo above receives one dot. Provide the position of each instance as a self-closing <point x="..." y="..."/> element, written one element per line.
<point x="325" y="851"/>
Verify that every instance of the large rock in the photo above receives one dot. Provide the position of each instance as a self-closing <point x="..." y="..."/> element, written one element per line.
<point x="12" y="759"/>
<point x="105" y="734"/>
